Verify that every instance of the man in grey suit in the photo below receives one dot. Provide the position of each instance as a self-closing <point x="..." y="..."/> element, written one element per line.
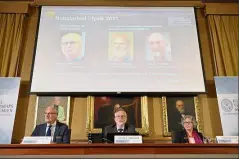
<point x="59" y="132"/>
<point x="120" y="126"/>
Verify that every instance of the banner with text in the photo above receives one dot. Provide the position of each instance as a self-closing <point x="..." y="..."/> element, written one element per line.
<point x="9" y="89"/>
<point x="227" y="96"/>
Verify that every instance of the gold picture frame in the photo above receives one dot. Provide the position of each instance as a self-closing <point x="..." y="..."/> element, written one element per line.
<point x="197" y="114"/>
<point x="43" y="101"/>
<point x="144" y="130"/>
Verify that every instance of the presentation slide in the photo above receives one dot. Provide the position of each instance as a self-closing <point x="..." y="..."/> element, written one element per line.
<point x="117" y="49"/>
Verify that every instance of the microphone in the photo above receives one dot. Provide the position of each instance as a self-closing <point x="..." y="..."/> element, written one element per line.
<point x="106" y="140"/>
<point x="206" y="140"/>
<point x="97" y="138"/>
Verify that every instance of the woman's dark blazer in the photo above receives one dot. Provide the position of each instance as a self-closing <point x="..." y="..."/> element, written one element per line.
<point x="181" y="136"/>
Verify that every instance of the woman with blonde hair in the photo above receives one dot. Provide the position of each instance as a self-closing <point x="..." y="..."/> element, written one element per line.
<point x="189" y="134"/>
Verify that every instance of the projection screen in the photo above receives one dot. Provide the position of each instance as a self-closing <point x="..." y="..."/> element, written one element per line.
<point x="117" y="49"/>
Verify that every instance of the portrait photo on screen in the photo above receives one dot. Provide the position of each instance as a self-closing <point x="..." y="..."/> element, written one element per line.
<point x="158" y="47"/>
<point x="72" y="46"/>
<point x="121" y="46"/>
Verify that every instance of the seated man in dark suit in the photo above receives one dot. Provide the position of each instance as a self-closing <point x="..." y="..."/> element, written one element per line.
<point x="58" y="131"/>
<point x="120" y="118"/>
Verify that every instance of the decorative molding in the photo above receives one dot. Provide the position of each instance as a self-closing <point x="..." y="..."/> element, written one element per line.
<point x="221" y="9"/>
<point x="125" y="3"/>
<point x="14" y="7"/>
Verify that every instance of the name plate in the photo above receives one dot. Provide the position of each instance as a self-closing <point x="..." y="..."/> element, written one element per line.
<point x="227" y="139"/>
<point x="135" y="139"/>
<point x="36" y="140"/>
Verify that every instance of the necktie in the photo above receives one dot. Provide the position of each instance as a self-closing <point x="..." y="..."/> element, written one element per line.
<point x="48" y="133"/>
<point x="120" y="130"/>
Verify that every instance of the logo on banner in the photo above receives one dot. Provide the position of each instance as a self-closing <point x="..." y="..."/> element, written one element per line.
<point x="235" y="102"/>
<point x="226" y="105"/>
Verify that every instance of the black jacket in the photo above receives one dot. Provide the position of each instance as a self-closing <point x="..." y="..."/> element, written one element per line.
<point x="61" y="134"/>
<point x="181" y="136"/>
<point x="113" y="129"/>
<point x="174" y="120"/>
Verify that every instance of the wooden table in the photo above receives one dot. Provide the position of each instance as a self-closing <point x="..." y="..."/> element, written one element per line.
<point x="149" y="149"/>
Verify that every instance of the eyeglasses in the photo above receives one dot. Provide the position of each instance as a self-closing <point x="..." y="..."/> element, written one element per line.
<point x="70" y="43"/>
<point x="122" y="116"/>
<point x="49" y="113"/>
<point x="187" y="123"/>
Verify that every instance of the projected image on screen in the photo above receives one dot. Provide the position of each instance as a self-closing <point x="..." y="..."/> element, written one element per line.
<point x="117" y="49"/>
<point x="158" y="47"/>
<point x="121" y="46"/>
<point x="72" y="46"/>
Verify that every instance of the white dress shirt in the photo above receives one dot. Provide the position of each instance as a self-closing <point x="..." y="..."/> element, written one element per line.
<point x="53" y="128"/>
<point x="167" y="55"/>
<point x="120" y="128"/>
<point x="191" y="140"/>
<point x="183" y="116"/>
